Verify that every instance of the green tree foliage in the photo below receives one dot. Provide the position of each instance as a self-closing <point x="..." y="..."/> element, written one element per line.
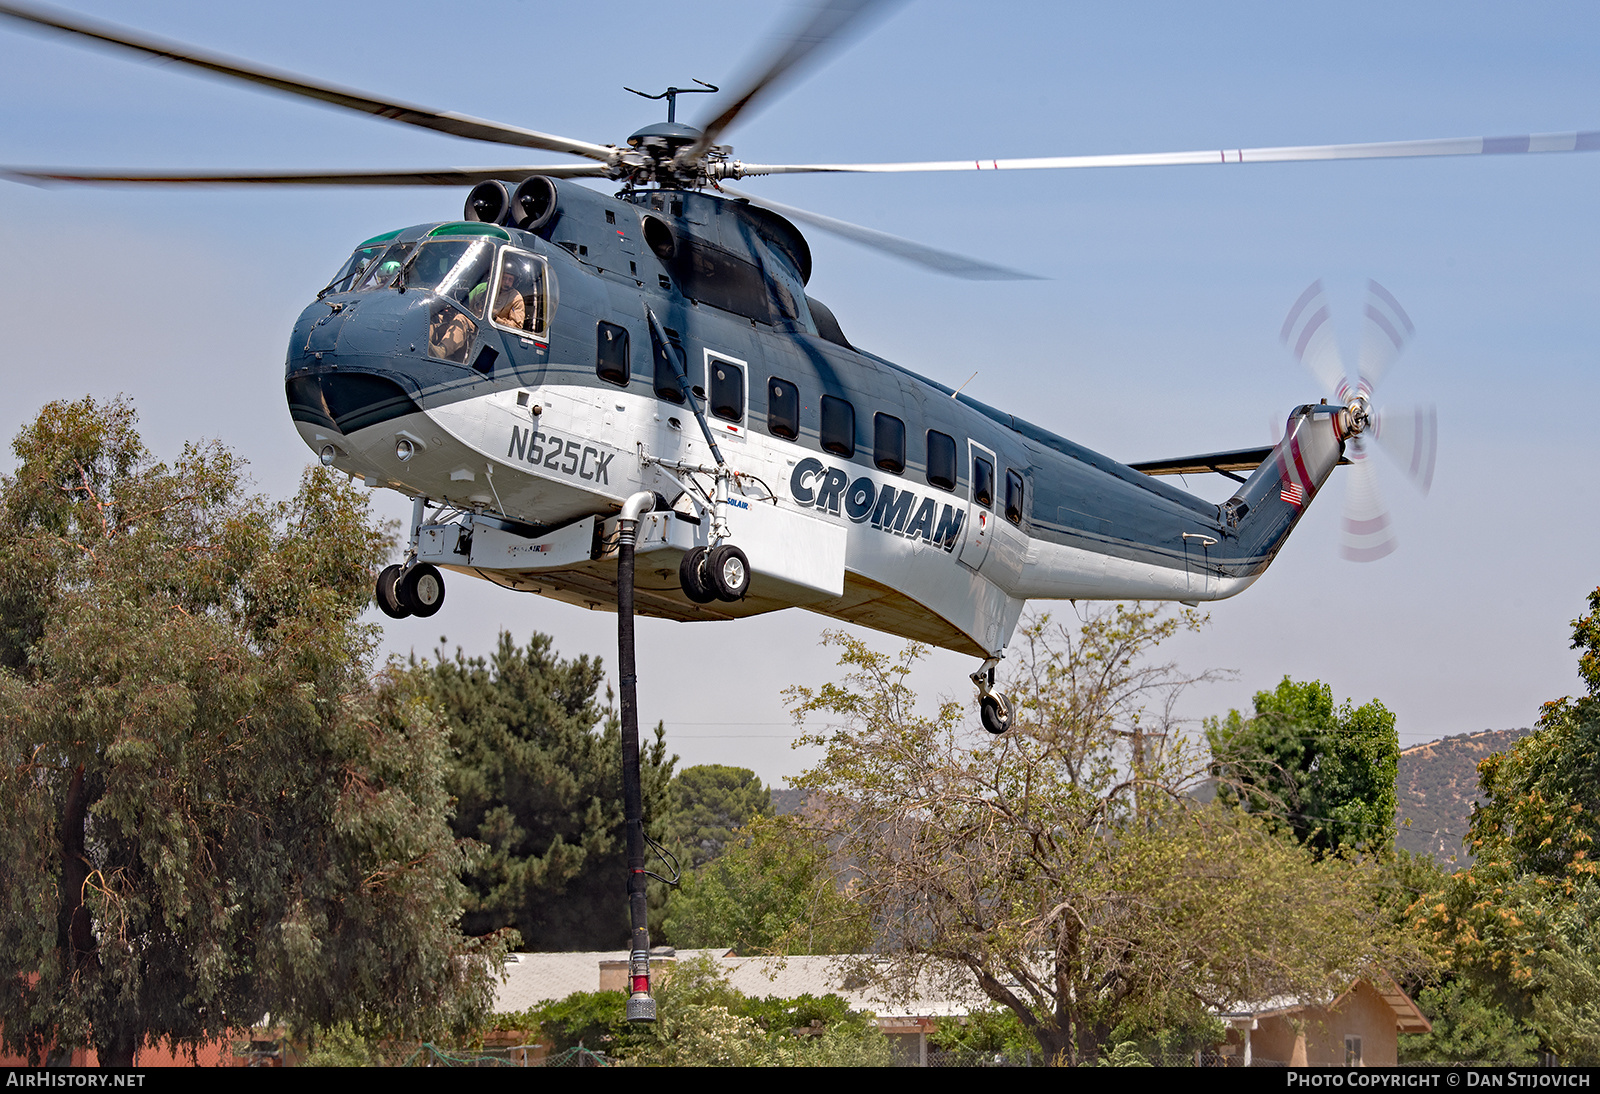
<point x="538" y="780"/>
<point x="1328" y="773"/>
<point x="1062" y="867"/>
<point x="210" y="811"/>
<point x="987" y="1030"/>
<point x="595" y="1020"/>
<point x="1469" y="1026"/>
<point x="703" y="1022"/>
<point x="773" y="890"/>
<point x="709" y="803"/>
<point x="1522" y="924"/>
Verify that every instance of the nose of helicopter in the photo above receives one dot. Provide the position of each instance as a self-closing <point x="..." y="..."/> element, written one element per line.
<point x="347" y="366"/>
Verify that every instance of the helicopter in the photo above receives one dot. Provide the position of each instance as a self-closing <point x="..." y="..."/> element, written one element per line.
<point x="849" y="485"/>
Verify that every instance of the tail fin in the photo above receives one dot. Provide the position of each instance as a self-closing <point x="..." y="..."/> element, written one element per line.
<point x="1271" y="502"/>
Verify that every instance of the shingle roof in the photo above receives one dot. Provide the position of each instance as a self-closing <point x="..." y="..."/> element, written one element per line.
<point x="534" y="978"/>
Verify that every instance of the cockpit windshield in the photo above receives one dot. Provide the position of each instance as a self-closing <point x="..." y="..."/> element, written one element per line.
<point x="382" y="270"/>
<point x="356" y="265"/>
<point x="457" y="269"/>
<point x="469" y="287"/>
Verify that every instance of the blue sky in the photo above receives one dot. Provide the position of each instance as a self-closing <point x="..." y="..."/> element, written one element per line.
<point x="1154" y="335"/>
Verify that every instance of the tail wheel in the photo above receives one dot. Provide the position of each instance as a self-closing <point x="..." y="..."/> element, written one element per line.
<point x="422" y="590"/>
<point x="388" y="597"/>
<point x="995" y="714"/>
<point x="729" y="571"/>
<point x="695" y="578"/>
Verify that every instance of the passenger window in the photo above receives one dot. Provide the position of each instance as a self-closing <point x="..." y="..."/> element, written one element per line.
<point x="1013" y="496"/>
<point x="838" y="427"/>
<point x="783" y="409"/>
<point x="727" y="389"/>
<point x="889" y="443"/>
<point x="983" y="482"/>
<point x="941" y="460"/>
<point x="611" y="354"/>
<point x="666" y="378"/>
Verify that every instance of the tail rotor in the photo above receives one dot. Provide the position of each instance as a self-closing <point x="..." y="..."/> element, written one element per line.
<point x="1410" y="436"/>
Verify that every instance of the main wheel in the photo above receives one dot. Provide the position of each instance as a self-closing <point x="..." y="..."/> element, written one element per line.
<point x="729" y="571"/>
<point x="388" y="597"/>
<point x="422" y="590"/>
<point x="693" y="577"/>
<point x="995" y="716"/>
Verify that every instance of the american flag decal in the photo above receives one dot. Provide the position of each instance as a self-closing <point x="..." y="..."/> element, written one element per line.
<point x="1293" y="494"/>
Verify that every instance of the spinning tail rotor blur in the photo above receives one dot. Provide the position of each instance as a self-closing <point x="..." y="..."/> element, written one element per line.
<point x="1409" y="435"/>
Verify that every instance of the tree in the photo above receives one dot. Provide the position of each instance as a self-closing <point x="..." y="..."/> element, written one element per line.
<point x="211" y="811"/>
<point x="1522" y="924"/>
<point x="1469" y="1026"/>
<point x="709" y="803"/>
<point x="537" y="780"/>
<point x="1328" y="773"/>
<point x="1062" y="867"/>
<point x="771" y="891"/>
<point x="704" y="1022"/>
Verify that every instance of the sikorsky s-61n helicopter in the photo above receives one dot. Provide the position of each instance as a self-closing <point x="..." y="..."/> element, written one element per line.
<point x="521" y="371"/>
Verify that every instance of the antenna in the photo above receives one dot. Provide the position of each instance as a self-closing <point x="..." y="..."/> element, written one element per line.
<point x="671" y="95"/>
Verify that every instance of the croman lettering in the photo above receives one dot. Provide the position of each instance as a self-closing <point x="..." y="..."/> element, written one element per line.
<point x="804" y="472"/>
<point x="949" y="527"/>
<point x="858" y="500"/>
<point x="895" y="511"/>
<point x="893" y="508"/>
<point x="922" y="523"/>
<point x="832" y="486"/>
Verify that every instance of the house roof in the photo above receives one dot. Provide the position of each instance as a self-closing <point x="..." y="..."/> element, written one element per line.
<point x="534" y="978"/>
<point x="1408" y="1018"/>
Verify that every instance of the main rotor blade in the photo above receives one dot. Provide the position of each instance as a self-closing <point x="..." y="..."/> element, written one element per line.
<point x="1588" y="141"/>
<point x="438" y="176"/>
<point x="457" y="125"/>
<point x="828" y="24"/>
<point x="945" y="262"/>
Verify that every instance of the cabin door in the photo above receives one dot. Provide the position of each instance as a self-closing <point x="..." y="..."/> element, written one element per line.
<point x="980" y="505"/>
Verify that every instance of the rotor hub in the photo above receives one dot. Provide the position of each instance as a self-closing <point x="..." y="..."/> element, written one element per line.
<point x="1357" y="416"/>
<point x="665" y="137"/>
<point x="663" y="154"/>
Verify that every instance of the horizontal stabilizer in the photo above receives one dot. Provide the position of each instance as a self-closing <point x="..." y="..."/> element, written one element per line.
<point x="1223" y="463"/>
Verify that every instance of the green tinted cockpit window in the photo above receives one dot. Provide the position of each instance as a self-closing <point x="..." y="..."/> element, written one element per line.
<point x="469" y="228"/>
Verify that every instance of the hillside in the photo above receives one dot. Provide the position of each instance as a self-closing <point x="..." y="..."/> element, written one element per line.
<point x="1438" y="786"/>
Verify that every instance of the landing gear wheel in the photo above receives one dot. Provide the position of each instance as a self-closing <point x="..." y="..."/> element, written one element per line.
<point x="995" y="714"/>
<point x="729" y="571"/>
<point x="421" y="589"/>
<point x="694" y="577"/>
<point x="388" y="597"/>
